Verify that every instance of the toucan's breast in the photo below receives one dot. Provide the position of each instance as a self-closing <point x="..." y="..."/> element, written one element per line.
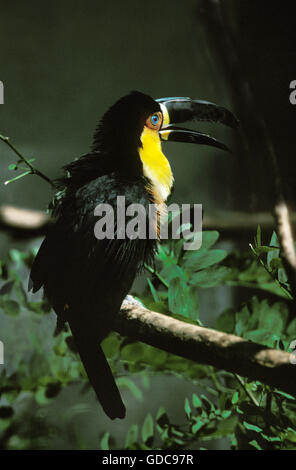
<point x="155" y="165"/>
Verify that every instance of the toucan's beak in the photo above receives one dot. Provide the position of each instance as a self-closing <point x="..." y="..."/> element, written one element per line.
<point x="178" y="110"/>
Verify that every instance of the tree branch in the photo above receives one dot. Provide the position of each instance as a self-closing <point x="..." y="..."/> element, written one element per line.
<point x="206" y="346"/>
<point x="24" y="222"/>
<point x="220" y="33"/>
<point x="30" y="222"/>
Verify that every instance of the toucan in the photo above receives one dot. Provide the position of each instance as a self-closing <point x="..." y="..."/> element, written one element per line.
<point x="86" y="279"/>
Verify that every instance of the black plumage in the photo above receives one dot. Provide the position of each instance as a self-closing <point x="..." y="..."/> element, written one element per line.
<point x="86" y="279"/>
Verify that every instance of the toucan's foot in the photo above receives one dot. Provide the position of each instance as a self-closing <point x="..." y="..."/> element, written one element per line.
<point x="130" y="300"/>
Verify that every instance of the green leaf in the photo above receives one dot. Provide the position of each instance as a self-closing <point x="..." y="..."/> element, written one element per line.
<point x="271" y="438"/>
<point x="290" y="435"/>
<point x="210" y="277"/>
<point x="16" y="256"/>
<point x="209" y="406"/>
<point x="132" y="436"/>
<point x="275" y="264"/>
<point x="274" y="317"/>
<point x="172" y="271"/>
<point x="267" y="286"/>
<point x="226" y="426"/>
<point x="255" y="444"/>
<point x="40" y="396"/>
<point x="187" y="408"/>
<point x="235" y="397"/>
<point x="226" y="321"/>
<point x="12" y="166"/>
<point x="162" y="417"/>
<point x="258" y="237"/>
<point x="274" y="240"/>
<point x="153" y="291"/>
<point x="201" y="259"/>
<point x="18" y="177"/>
<point x="111" y="345"/>
<point x="209" y="238"/>
<point x="160" y="307"/>
<point x="128" y="383"/>
<point x="284" y="394"/>
<point x="242" y="320"/>
<point x="291" y="330"/>
<point x="177" y="296"/>
<point x="282" y="276"/>
<point x="182" y="299"/>
<point x="251" y="427"/>
<point x="260" y="336"/>
<point x="196" y="401"/>
<point x="197" y="426"/>
<point x="105" y="441"/>
<point x="148" y="430"/>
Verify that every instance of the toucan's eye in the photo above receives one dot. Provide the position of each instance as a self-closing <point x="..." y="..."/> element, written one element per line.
<point x="154" y="119"/>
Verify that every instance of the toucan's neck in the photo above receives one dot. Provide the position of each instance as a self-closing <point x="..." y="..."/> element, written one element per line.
<point x="155" y="165"/>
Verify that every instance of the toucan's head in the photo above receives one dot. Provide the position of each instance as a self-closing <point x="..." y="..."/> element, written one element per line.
<point x="137" y="124"/>
<point x="124" y="123"/>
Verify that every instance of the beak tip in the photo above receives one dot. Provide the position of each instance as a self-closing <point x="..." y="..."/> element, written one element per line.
<point x="230" y="119"/>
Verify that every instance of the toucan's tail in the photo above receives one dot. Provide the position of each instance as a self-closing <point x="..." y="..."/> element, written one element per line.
<point x="99" y="373"/>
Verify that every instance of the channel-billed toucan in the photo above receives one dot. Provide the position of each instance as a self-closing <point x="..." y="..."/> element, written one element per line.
<point x="86" y="279"/>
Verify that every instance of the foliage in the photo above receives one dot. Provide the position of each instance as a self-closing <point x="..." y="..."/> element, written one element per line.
<point x="246" y="414"/>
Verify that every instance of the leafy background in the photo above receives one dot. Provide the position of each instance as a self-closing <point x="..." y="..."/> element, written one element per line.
<point x="43" y="366"/>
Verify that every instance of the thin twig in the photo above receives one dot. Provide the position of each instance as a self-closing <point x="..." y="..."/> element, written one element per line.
<point x="33" y="170"/>
<point x="283" y="288"/>
<point x="248" y="392"/>
<point x="156" y="274"/>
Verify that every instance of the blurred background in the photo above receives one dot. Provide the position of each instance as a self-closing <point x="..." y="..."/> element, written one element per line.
<point x="65" y="62"/>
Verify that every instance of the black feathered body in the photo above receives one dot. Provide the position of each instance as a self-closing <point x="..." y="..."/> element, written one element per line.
<point x="84" y="278"/>
<point x="74" y="267"/>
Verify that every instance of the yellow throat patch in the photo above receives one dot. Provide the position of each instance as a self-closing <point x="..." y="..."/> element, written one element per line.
<point x="155" y="165"/>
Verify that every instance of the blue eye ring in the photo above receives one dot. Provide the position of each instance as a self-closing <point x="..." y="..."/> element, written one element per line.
<point x="154" y="119"/>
